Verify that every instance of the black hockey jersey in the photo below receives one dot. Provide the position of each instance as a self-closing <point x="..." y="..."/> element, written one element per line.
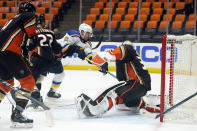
<point x="48" y="44"/>
<point x="16" y="30"/>
<point x="129" y="66"/>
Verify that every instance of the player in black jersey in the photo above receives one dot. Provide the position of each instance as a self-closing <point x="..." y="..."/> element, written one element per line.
<point x="42" y="57"/>
<point x="134" y="82"/>
<point x="46" y="59"/>
<point x="12" y="63"/>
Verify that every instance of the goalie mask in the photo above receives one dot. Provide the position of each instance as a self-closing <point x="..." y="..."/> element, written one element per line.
<point x="127" y="43"/>
<point x="85" y="31"/>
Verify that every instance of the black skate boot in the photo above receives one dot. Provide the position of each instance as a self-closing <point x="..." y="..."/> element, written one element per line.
<point x="53" y="94"/>
<point x="19" y="121"/>
<point x="36" y="95"/>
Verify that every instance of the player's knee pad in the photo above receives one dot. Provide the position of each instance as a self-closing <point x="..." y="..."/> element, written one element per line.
<point x="5" y="88"/>
<point x="59" y="77"/>
<point x="27" y="83"/>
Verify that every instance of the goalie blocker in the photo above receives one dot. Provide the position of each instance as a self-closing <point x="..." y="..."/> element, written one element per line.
<point x="135" y="82"/>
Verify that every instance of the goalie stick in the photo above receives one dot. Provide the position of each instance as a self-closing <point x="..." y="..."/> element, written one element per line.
<point x="49" y="120"/>
<point x="99" y="43"/>
<point x="100" y="67"/>
<point x="175" y="106"/>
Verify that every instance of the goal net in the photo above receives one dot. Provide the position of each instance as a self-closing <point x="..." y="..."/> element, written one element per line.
<point x="179" y="77"/>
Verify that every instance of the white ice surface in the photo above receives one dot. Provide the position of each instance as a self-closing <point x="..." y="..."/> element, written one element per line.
<point x="66" y="118"/>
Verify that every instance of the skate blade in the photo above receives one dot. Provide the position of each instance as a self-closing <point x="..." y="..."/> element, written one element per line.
<point x="21" y="125"/>
<point x="33" y="107"/>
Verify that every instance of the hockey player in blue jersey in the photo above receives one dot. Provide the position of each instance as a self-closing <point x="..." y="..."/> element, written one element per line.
<point x="79" y="38"/>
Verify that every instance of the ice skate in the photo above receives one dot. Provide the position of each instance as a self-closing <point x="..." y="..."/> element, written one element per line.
<point x="36" y="95"/>
<point x="19" y="121"/>
<point x="53" y="94"/>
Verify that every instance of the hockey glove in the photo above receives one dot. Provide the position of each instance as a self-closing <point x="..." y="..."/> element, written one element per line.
<point x="104" y="68"/>
<point x="80" y="52"/>
<point x="70" y="51"/>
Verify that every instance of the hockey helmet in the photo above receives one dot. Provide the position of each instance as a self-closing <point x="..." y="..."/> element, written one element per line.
<point x="86" y="28"/>
<point x="27" y="7"/>
<point x="41" y="20"/>
<point x="127" y="42"/>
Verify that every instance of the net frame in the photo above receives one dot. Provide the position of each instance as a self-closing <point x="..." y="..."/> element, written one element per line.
<point x="169" y="69"/>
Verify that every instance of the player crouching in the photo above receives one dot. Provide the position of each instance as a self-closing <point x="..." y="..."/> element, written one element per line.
<point x="134" y="82"/>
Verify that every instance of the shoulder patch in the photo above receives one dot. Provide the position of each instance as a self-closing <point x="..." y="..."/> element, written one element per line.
<point x="74" y="33"/>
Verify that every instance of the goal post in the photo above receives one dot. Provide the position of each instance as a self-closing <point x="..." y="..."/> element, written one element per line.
<point x="179" y="77"/>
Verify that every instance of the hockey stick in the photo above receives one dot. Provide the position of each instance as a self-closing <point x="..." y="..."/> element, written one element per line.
<point x="100" y="67"/>
<point x="21" y="93"/>
<point x="175" y="106"/>
<point x="49" y="121"/>
<point x="100" y="40"/>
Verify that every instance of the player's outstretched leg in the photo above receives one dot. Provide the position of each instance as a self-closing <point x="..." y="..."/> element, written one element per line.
<point x="19" y="121"/>
<point x="90" y="108"/>
<point x="82" y="103"/>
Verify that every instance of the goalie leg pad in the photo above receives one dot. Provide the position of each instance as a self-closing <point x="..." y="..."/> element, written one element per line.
<point x="82" y="103"/>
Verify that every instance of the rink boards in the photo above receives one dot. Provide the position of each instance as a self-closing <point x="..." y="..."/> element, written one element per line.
<point x="150" y="54"/>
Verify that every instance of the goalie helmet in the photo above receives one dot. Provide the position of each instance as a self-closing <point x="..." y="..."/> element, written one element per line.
<point x="27" y="7"/>
<point x="86" y="28"/>
<point x="127" y="42"/>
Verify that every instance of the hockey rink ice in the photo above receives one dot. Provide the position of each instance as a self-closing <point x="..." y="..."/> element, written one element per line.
<point x="65" y="116"/>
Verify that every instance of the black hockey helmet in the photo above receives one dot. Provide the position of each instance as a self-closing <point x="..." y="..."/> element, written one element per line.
<point x="27" y="7"/>
<point x="41" y="20"/>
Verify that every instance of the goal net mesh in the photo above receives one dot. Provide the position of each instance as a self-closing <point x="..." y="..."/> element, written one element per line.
<point x="179" y="77"/>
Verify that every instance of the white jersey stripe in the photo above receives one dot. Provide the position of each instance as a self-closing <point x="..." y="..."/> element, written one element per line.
<point x="10" y="39"/>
